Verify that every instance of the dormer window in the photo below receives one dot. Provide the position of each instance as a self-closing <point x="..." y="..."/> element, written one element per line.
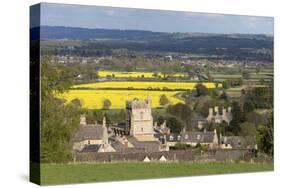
<point x="171" y="137"/>
<point x="186" y="137"/>
<point x="198" y="136"/>
<point x="179" y="137"/>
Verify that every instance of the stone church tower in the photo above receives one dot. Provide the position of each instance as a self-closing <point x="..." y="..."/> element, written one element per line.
<point x="139" y="119"/>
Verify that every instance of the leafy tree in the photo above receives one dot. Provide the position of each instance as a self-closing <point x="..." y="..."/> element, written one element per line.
<point x="226" y="84"/>
<point x="76" y="102"/>
<point x="163" y="100"/>
<point x="238" y="117"/>
<point x="180" y="146"/>
<point x="182" y="111"/>
<point x="248" y="129"/>
<point x="248" y="106"/>
<point x="201" y="90"/>
<point x="216" y="84"/>
<point x="246" y="75"/>
<point x="58" y="120"/>
<point x="174" y="124"/>
<point x="106" y="104"/>
<point x="265" y="137"/>
<point x="155" y="74"/>
<point x="160" y="120"/>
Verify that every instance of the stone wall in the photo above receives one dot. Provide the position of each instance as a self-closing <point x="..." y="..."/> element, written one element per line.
<point x="173" y="155"/>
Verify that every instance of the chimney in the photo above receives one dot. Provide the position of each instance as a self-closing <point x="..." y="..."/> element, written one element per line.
<point x="229" y="109"/>
<point x="126" y="144"/>
<point x="149" y="100"/>
<point x="217" y="109"/>
<point x="155" y="125"/>
<point x="104" y="121"/>
<point x="211" y="112"/>
<point x="83" y="120"/>
<point x="223" y="111"/>
<point x="163" y="125"/>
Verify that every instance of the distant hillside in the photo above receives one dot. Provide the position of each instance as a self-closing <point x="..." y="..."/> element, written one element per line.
<point x="59" y="32"/>
<point x="103" y="41"/>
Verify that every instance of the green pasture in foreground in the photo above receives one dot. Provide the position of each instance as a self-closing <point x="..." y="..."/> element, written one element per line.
<point x="98" y="172"/>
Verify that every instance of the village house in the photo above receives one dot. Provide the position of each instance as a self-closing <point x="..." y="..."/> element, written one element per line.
<point x="91" y="137"/>
<point x="208" y="138"/>
<point x="238" y="142"/>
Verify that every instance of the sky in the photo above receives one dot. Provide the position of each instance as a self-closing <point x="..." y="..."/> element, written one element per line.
<point x="151" y="20"/>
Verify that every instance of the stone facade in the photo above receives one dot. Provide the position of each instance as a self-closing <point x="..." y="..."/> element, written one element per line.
<point x="91" y="137"/>
<point x="208" y="138"/>
<point x="140" y="120"/>
<point x="216" y="117"/>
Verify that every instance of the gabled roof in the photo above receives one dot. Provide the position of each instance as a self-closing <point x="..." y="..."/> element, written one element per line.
<point x="91" y="148"/>
<point x="239" y="141"/>
<point x="149" y="146"/>
<point x="89" y="132"/>
<point x="118" y="146"/>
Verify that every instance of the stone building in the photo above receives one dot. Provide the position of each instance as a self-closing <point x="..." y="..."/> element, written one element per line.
<point x="238" y="142"/>
<point x="216" y="117"/>
<point x="208" y="138"/>
<point x="91" y="137"/>
<point x="140" y="120"/>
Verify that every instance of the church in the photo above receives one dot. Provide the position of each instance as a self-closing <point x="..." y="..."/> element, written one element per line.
<point x="138" y="134"/>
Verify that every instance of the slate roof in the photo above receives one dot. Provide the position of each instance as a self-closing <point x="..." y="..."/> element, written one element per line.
<point x="195" y="137"/>
<point x="87" y="132"/>
<point x="91" y="148"/>
<point x="241" y="142"/>
<point x="118" y="146"/>
<point x="149" y="146"/>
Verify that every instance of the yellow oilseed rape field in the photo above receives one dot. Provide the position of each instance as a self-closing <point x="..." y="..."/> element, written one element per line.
<point x="134" y="74"/>
<point x="93" y="99"/>
<point x="144" y="85"/>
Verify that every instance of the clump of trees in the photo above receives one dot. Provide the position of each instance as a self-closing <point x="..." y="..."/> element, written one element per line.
<point x="59" y="120"/>
<point x="106" y="104"/>
<point x="201" y="90"/>
<point x="181" y="114"/>
<point x="163" y="100"/>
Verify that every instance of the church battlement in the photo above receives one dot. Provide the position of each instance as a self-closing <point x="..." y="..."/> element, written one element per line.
<point x="138" y="104"/>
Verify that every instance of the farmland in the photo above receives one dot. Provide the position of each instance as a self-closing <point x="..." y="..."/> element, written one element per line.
<point x="144" y="85"/>
<point x="92" y="95"/>
<point x="117" y="74"/>
<point x="79" y="173"/>
<point x="93" y="99"/>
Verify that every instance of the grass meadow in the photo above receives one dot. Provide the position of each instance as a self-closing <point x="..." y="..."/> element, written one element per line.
<point x="100" y="172"/>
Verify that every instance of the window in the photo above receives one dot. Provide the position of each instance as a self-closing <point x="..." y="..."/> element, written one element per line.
<point x="179" y="137"/>
<point x="186" y="137"/>
<point x="141" y="129"/>
<point x="141" y="115"/>
<point x="171" y="137"/>
<point x="198" y="136"/>
<point x="89" y="141"/>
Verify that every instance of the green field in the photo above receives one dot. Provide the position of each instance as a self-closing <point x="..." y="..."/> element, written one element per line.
<point x="81" y="173"/>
